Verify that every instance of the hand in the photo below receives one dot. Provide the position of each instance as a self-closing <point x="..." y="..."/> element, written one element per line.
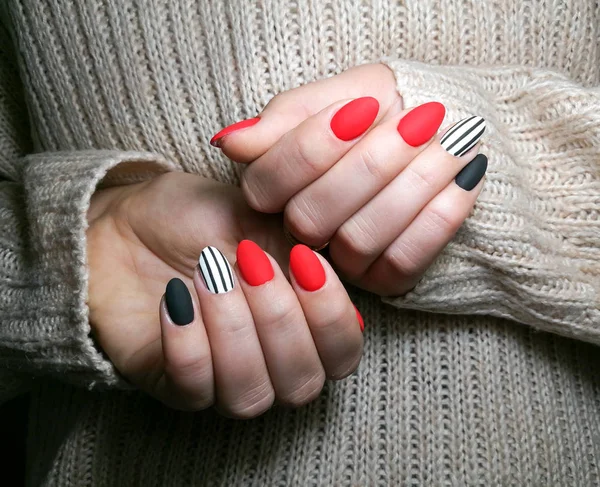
<point x="368" y="176"/>
<point x="264" y="340"/>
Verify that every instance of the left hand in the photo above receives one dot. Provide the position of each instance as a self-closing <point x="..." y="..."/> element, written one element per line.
<point x="369" y="177"/>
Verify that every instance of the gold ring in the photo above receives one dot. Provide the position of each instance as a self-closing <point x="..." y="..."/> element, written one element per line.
<point x="294" y="241"/>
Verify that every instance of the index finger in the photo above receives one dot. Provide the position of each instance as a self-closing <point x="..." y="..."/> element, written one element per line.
<point x="306" y="153"/>
<point x="247" y="140"/>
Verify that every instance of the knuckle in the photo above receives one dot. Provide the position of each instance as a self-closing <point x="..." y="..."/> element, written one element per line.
<point x="347" y="367"/>
<point x="443" y="219"/>
<point x="372" y="164"/>
<point x="252" y="403"/>
<point x="303" y="218"/>
<point x="283" y="316"/>
<point x="404" y="260"/>
<point x="307" y="391"/>
<point x="357" y="237"/>
<point x="421" y="179"/>
<point x="302" y="154"/>
<point x="254" y="193"/>
<point x="336" y="319"/>
<point x="197" y="367"/>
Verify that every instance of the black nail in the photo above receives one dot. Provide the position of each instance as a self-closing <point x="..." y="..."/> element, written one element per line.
<point x="472" y="173"/>
<point x="179" y="302"/>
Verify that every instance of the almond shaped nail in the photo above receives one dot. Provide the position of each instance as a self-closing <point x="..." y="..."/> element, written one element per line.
<point x="253" y="263"/>
<point x="472" y="173"/>
<point x="217" y="138"/>
<point x="215" y="271"/>
<point x="354" y="118"/>
<point x="463" y="135"/>
<point x="421" y="123"/>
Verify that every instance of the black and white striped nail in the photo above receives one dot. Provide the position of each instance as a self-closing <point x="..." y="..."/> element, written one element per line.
<point x="215" y="271"/>
<point x="463" y="136"/>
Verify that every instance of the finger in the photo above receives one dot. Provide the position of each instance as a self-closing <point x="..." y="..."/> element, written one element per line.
<point x="243" y="388"/>
<point x="287" y="110"/>
<point x="333" y="320"/>
<point x="188" y="373"/>
<point x="306" y="152"/>
<point x="292" y="359"/>
<point x="363" y="237"/>
<point x="404" y="262"/>
<point x="317" y="211"/>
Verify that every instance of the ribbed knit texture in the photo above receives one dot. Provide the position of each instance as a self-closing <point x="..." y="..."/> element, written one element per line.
<point x="438" y="399"/>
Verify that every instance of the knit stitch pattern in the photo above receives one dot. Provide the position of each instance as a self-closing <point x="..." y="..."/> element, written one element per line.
<point x="469" y="395"/>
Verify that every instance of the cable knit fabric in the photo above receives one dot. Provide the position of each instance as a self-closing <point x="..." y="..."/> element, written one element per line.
<point x="119" y="91"/>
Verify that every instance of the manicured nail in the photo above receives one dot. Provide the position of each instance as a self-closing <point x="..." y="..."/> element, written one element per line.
<point x="253" y="263"/>
<point x="354" y="118"/>
<point x="307" y="268"/>
<point x="421" y="123"/>
<point x="216" y="140"/>
<point x="179" y="302"/>
<point x="360" y="319"/>
<point x="216" y="271"/>
<point x="463" y="136"/>
<point x="472" y="173"/>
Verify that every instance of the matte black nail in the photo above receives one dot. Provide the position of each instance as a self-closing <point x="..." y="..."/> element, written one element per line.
<point x="179" y="302"/>
<point x="472" y="173"/>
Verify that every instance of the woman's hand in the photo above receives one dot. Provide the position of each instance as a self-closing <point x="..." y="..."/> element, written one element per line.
<point x="238" y="337"/>
<point x="347" y="164"/>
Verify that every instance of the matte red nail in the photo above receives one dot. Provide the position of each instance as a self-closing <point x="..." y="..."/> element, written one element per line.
<point x="354" y="118"/>
<point x="307" y="268"/>
<point x="216" y="140"/>
<point x="421" y="123"/>
<point x="253" y="263"/>
<point x="360" y="319"/>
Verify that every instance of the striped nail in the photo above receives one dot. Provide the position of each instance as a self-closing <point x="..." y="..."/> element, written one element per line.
<point x="463" y="136"/>
<point x="216" y="271"/>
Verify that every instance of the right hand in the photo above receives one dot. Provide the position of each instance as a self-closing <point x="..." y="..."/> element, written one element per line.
<point x="243" y="349"/>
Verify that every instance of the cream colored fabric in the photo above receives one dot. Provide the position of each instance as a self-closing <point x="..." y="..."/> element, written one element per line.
<point x="438" y="399"/>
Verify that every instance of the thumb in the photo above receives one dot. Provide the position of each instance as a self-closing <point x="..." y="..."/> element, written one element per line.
<point x="249" y="139"/>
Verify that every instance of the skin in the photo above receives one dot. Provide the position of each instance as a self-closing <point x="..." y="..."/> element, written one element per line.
<point x="255" y="346"/>
<point x="387" y="209"/>
<point x="245" y="349"/>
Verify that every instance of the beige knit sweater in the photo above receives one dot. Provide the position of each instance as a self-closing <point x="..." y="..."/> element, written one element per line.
<point x="457" y="385"/>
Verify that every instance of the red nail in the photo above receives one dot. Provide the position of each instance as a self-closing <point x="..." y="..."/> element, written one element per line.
<point x="307" y="268"/>
<point x="253" y="263"/>
<point x="360" y="319"/>
<point x="216" y="140"/>
<point x="354" y="118"/>
<point x="421" y="123"/>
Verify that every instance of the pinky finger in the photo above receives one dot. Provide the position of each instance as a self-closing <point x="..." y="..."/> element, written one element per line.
<point x="403" y="263"/>
<point x="188" y="381"/>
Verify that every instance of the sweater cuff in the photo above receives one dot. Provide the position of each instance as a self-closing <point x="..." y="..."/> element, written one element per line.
<point x="51" y="335"/>
<point x="527" y="251"/>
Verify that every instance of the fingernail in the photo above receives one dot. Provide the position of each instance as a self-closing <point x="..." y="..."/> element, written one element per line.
<point x="354" y="118"/>
<point x="421" y="123"/>
<point x="307" y="268"/>
<point x="360" y="319"/>
<point x="215" y="271"/>
<point x="472" y="173"/>
<point x="463" y="136"/>
<point x="253" y="263"/>
<point x="179" y="302"/>
<point x="216" y="140"/>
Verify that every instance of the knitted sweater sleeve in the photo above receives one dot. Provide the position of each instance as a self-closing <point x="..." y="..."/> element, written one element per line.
<point x="530" y="251"/>
<point x="44" y="199"/>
